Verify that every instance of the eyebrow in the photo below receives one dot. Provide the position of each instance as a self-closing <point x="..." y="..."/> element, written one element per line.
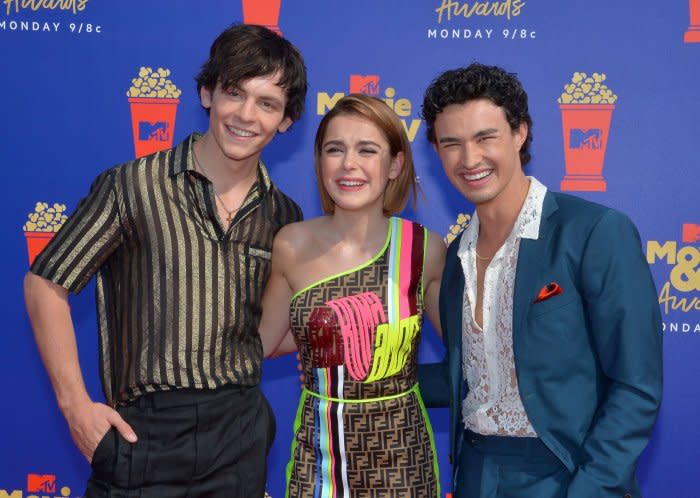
<point x="272" y="98"/>
<point x="368" y="142"/>
<point x="267" y="97"/>
<point x="449" y="139"/>
<point x="483" y="133"/>
<point x="361" y="143"/>
<point x="332" y="142"/>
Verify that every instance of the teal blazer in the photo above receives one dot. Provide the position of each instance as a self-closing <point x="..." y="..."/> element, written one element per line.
<point x="588" y="360"/>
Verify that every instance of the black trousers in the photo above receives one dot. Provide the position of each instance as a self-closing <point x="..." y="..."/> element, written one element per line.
<point x="192" y="443"/>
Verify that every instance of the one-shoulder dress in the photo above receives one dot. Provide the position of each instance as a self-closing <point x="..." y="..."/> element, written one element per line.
<point x="361" y="429"/>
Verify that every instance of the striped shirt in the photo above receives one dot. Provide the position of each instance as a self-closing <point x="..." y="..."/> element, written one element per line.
<point x="178" y="297"/>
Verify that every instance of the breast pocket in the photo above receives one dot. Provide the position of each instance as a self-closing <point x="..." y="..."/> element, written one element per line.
<point x="256" y="252"/>
<point x="257" y="263"/>
<point x="553" y="303"/>
<point x="558" y="320"/>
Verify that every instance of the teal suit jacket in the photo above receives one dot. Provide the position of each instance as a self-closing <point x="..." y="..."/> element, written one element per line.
<point x="588" y="361"/>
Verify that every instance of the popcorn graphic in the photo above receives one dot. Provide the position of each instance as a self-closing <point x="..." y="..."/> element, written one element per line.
<point x="585" y="89"/>
<point x="153" y="99"/>
<point x="41" y="226"/>
<point x="460" y="224"/>
<point x="586" y="106"/>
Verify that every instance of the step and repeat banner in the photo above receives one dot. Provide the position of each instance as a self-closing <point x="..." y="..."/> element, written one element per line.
<point x="613" y="89"/>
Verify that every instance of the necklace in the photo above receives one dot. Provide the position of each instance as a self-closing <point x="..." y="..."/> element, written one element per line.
<point x="229" y="212"/>
<point x="479" y="256"/>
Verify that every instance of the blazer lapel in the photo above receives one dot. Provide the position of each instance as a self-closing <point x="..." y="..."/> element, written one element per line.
<point x="530" y="267"/>
<point x="451" y="316"/>
<point x="455" y="290"/>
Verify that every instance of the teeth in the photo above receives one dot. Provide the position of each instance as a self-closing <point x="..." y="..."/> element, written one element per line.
<point x="240" y="133"/>
<point x="477" y="176"/>
<point x="347" y="183"/>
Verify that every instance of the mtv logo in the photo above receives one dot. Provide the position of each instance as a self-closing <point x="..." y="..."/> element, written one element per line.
<point x="691" y="233"/>
<point x="41" y="483"/>
<point x="367" y="84"/>
<point x="585" y="139"/>
<point x="158" y="131"/>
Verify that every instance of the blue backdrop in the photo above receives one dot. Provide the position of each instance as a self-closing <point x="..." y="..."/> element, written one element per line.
<point x="68" y="65"/>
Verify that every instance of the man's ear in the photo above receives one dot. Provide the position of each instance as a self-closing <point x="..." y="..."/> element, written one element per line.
<point x="396" y="166"/>
<point x="285" y="124"/>
<point x="205" y="97"/>
<point x="521" y="135"/>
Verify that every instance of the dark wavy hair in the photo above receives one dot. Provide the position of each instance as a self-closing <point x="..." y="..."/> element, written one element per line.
<point x="477" y="81"/>
<point x="247" y="51"/>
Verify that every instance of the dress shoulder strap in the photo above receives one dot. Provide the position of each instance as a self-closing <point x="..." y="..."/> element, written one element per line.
<point x="406" y="260"/>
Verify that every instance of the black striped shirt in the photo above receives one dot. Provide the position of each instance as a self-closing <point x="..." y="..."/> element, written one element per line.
<point x="178" y="297"/>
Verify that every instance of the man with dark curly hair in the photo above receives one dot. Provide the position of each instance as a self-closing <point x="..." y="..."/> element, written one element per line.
<point x="549" y="314"/>
<point x="180" y="243"/>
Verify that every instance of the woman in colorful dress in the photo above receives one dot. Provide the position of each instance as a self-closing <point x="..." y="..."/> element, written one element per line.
<point x="352" y="286"/>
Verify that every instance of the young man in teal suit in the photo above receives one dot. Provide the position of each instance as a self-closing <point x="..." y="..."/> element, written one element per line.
<point x="549" y="314"/>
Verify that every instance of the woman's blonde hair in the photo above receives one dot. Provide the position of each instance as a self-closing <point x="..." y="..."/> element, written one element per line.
<point x="380" y="115"/>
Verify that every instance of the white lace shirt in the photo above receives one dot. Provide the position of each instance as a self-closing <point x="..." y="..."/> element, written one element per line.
<point x="493" y="405"/>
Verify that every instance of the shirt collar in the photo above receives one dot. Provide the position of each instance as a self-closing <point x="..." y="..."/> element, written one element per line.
<point x="181" y="160"/>
<point x="527" y="224"/>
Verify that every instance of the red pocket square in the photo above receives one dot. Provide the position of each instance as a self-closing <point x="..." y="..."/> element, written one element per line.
<point x="550" y="290"/>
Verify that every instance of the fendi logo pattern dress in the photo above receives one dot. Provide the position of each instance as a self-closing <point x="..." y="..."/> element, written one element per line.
<point x="361" y="428"/>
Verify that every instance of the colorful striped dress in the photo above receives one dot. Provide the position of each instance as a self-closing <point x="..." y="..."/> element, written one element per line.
<point x="361" y="428"/>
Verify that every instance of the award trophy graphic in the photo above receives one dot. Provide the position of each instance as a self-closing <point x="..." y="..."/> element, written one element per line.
<point x="364" y="83"/>
<point x="692" y="34"/>
<point x="691" y="233"/>
<point x="263" y="13"/>
<point x="41" y="226"/>
<point x="153" y="99"/>
<point x="459" y="226"/>
<point x="586" y="108"/>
